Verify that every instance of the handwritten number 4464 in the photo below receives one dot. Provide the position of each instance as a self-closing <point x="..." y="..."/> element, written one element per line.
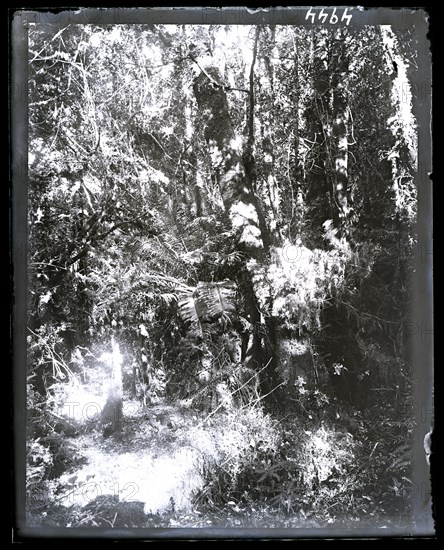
<point x="325" y="16"/>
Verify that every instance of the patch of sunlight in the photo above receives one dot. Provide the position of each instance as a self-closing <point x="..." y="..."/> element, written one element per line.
<point x="216" y="156"/>
<point x="173" y="479"/>
<point x="241" y="212"/>
<point x="251" y="236"/>
<point x="158" y="176"/>
<point x="168" y="130"/>
<point x="326" y="451"/>
<point x="171" y="29"/>
<point x="320" y="444"/>
<point x="152" y="53"/>
<point x="294" y="347"/>
<point x="295" y="257"/>
<point x="279" y="304"/>
<point x="236" y="143"/>
<point x="401" y="91"/>
<point x="202" y="441"/>
<point x="92" y="184"/>
<point x="155" y="481"/>
<point x="95" y="40"/>
<point x="80" y="404"/>
<point x="206" y="61"/>
<point x="238" y="34"/>
<point x="116" y="33"/>
<point x="114" y="357"/>
<point x="189" y="128"/>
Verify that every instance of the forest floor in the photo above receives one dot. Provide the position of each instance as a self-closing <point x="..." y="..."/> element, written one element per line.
<point x="144" y="464"/>
<point x="147" y="470"/>
<point x="154" y="473"/>
<point x="146" y="476"/>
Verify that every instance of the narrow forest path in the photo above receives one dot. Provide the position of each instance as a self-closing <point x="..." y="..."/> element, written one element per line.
<point x="149" y="464"/>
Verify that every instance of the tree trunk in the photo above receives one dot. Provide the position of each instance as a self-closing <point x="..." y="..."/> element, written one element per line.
<point x="112" y="412"/>
<point x="340" y="116"/>
<point x="236" y="176"/>
<point x="298" y="179"/>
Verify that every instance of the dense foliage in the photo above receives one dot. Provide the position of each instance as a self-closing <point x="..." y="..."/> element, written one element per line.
<point x="235" y="206"/>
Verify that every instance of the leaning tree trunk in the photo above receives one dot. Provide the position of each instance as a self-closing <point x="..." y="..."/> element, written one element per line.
<point x="234" y="170"/>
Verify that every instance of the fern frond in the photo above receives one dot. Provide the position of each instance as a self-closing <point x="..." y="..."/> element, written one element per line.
<point x="208" y="302"/>
<point x="214" y="299"/>
<point x="169" y="297"/>
<point x="187" y="309"/>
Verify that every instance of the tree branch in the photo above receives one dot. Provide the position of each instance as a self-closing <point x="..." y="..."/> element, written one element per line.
<point x="101" y="237"/>
<point x="368" y="315"/>
<point x="214" y="82"/>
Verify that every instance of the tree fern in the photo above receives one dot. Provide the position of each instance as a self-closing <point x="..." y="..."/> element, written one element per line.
<point x="208" y="302"/>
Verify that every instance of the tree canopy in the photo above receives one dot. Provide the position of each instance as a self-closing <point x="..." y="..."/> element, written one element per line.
<point x="257" y="180"/>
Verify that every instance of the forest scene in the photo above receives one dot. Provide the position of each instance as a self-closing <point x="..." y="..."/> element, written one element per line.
<point x="222" y="224"/>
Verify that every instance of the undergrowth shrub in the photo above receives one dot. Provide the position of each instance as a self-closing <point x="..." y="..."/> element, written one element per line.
<point x="226" y="450"/>
<point x="295" y="466"/>
<point x="50" y="446"/>
<point x="327" y="471"/>
<point x="387" y="458"/>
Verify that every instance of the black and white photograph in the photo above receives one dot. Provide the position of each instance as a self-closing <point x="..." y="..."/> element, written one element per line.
<point x="225" y="267"/>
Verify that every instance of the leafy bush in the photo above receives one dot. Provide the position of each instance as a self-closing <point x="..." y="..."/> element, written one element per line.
<point x="40" y="460"/>
<point x="228" y="449"/>
<point x="295" y="467"/>
<point x="50" y="449"/>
